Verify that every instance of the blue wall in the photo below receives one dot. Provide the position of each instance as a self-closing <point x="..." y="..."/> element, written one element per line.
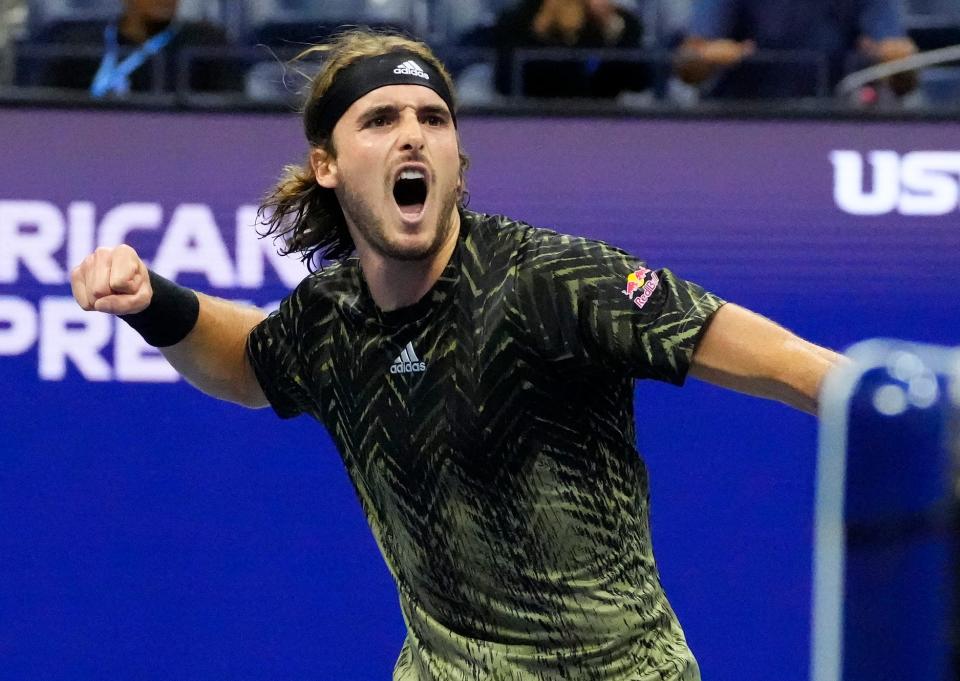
<point x="150" y="532"/>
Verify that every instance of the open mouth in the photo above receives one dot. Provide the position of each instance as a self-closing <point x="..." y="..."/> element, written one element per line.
<point x="410" y="192"/>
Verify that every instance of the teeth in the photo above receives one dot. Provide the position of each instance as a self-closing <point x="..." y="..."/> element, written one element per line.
<point x="412" y="175"/>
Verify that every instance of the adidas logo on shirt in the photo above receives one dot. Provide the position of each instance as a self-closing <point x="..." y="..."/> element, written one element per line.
<point x="407" y="362"/>
<point x="411" y="68"/>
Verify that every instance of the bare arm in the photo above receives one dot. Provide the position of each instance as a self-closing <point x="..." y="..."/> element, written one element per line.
<point x="211" y="357"/>
<point x="892" y="49"/>
<point x="750" y="354"/>
<point x="697" y="59"/>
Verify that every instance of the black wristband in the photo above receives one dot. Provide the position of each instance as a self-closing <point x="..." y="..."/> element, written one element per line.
<point x="170" y="316"/>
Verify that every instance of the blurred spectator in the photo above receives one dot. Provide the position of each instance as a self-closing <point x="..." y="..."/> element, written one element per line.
<point x="13" y="14"/>
<point x="145" y="31"/>
<point x="724" y="33"/>
<point x="570" y="24"/>
<point x="670" y="21"/>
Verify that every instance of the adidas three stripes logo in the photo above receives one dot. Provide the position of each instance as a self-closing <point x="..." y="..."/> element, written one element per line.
<point x="407" y="362"/>
<point x="411" y="68"/>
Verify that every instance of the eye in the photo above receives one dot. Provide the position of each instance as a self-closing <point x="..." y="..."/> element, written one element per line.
<point x="381" y="119"/>
<point x="435" y="120"/>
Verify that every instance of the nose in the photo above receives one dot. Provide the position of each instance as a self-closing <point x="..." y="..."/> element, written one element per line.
<point x="410" y="131"/>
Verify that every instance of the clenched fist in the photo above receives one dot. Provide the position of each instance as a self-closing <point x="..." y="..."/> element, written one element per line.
<point x="112" y="280"/>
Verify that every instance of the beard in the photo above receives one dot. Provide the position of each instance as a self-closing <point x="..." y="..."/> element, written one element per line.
<point x="374" y="232"/>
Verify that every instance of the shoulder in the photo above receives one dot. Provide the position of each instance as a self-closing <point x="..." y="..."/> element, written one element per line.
<point x="530" y="242"/>
<point x="535" y="253"/>
<point x="492" y="236"/>
<point x="334" y="286"/>
<point x="550" y="250"/>
<point x="330" y="278"/>
<point x="491" y="228"/>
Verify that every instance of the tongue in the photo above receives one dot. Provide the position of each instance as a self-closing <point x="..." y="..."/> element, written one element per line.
<point x="412" y="209"/>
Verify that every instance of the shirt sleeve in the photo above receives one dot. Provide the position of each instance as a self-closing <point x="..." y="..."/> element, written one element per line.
<point x="589" y="303"/>
<point x="713" y="19"/>
<point x="274" y="351"/>
<point x="881" y="19"/>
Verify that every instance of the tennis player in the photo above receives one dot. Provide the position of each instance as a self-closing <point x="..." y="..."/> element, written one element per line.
<point x="476" y="374"/>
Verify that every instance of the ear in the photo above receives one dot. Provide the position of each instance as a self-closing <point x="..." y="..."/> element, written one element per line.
<point x="324" y="167"/>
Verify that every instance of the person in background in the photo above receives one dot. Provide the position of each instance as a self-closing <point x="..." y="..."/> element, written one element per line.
<point x="573" y="24"/>
<point x="724" y="34"/>
<point x="146" y="30"/>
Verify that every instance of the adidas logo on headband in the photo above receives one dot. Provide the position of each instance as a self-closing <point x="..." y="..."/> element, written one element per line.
<point x="366" y="74"/>
<point x="411" y="68"/>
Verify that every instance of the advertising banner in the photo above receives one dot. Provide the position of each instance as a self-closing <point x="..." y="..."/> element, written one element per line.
<point x="151" y="532"/>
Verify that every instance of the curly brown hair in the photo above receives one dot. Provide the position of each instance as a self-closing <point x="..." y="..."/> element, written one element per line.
<point x="306" y="217"/>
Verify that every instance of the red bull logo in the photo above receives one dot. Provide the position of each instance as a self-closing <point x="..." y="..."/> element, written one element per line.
<point x="638" y="281"/>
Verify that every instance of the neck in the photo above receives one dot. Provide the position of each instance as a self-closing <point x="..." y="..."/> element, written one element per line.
<point x="138" y="28"/>
<point x="398" y="283"/>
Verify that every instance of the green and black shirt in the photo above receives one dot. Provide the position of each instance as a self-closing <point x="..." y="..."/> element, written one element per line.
<point x="488" y="430"/>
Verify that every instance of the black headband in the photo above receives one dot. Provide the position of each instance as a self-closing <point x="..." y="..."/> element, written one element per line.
<point x="365" y="75"/>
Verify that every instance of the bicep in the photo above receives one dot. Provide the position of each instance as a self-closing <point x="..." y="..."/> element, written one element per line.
<point x="213" y="356"/>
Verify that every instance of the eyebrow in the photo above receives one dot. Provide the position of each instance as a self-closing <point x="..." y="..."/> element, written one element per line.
<point x="390" y="109"/>
<point x="435" y="109"/>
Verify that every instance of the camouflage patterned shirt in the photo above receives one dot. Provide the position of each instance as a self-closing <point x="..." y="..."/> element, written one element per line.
<point x="488" y="430"/>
